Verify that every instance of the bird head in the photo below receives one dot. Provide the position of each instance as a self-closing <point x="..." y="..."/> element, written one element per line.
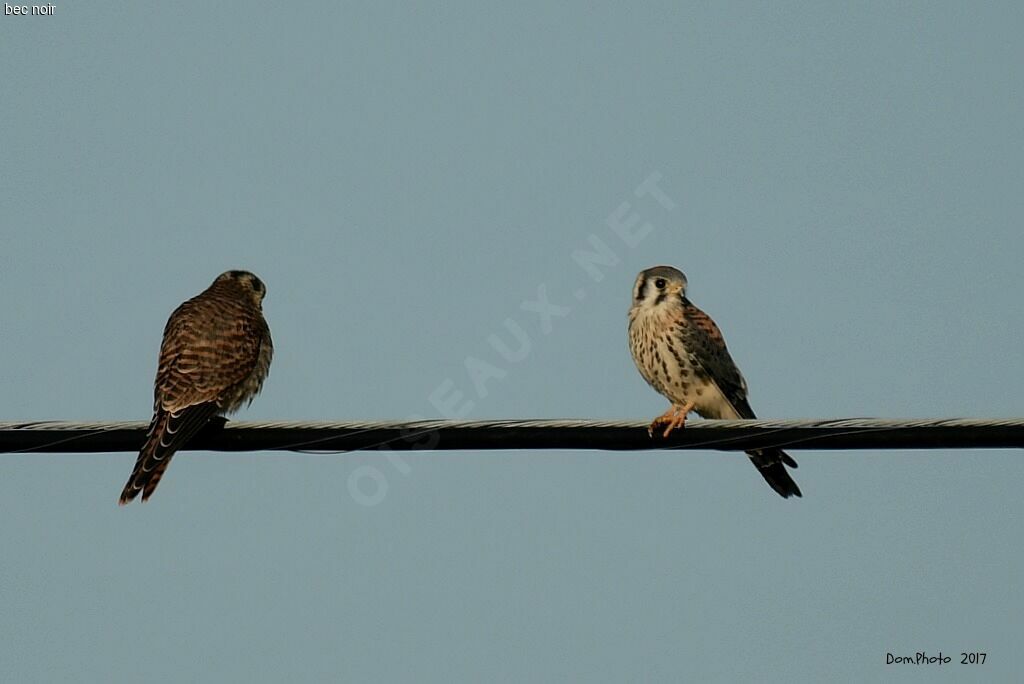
<point x="657" y="285"/>
<point x="246" y="281"/>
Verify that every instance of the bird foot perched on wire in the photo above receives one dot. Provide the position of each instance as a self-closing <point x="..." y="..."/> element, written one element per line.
<point x="674" y="417"/>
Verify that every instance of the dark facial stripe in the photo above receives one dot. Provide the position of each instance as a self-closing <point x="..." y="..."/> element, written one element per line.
<point x="643" y="289"/>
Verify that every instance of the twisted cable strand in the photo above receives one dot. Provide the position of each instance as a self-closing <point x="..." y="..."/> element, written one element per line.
<point x="617" y="435"/>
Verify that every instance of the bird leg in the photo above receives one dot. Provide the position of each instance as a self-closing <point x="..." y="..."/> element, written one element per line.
<point x="674" y="417"/>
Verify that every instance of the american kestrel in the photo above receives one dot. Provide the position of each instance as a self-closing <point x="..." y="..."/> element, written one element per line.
<point x="681" y="353"/>
<point x="214" y="357"/>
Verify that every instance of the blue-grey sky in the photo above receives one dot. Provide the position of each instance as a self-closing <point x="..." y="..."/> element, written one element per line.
<point x="845" y="189"/>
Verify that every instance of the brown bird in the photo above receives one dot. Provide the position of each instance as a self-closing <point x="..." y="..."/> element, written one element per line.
<point x="681" y="353"/>
<point x="214" y="357"/>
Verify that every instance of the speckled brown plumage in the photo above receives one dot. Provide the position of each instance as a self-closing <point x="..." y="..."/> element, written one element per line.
<point x="681" y="353"/>
<point x="215" y="354"/>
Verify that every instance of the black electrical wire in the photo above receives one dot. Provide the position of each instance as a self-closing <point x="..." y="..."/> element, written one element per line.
<point x="513" y="435"/>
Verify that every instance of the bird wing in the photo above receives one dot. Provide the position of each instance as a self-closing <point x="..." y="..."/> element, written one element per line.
<point x="209" y="346"/>
<point x="708" y="352"/>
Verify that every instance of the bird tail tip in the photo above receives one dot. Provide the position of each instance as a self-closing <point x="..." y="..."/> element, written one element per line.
<point x="771" y="463"/>
<point x="129" y="492"/>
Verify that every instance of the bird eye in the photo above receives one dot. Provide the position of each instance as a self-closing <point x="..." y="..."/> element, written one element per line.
<point x="660" y="283"/>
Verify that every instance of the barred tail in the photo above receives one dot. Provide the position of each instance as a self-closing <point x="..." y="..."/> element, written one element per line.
<point x="168" y="432"/>
<point x="151" y="463"/>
